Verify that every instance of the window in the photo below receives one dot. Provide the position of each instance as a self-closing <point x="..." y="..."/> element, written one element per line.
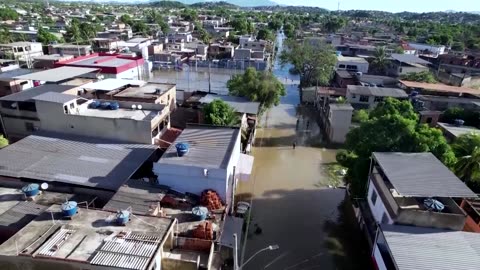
<point x="363" y="98"/>
<point x="374" y="196"/>
<point x="354" y="96"/>
<point x="65" y="109"/>
<point x="72" y="105"/>
<point x="27" y="106"/>
<point x="352" y="67"/>
<point x="341" y="66"/>
<point x="29" y="126"/>
<point x="378" y="99"/>
<point x="385" y="219"/>
<point x="429" y="120"/>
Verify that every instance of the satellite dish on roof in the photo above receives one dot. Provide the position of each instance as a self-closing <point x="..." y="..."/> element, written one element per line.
<point x="139" y="107"/>
<point x="134" y="106"/>
<point x="44" y="186"/>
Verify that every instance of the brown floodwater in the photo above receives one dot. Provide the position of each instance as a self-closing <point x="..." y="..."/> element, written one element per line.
<point x="291" y="200"/>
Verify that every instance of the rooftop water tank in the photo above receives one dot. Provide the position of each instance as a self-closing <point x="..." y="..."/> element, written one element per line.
<point x="105" y="105"/>
<point x="338" y="53"/>
<point x="182" y="149"/>
<point x="69" y="209"/>
<point x="114" y="106"/>
<point x="94" y="104"/>
<point x="414" y="93"/>
<point x="200" y="212"/>
<point x="458" y="122"/>
<point x="31" y="190"/>
<point x="123" y="217"/>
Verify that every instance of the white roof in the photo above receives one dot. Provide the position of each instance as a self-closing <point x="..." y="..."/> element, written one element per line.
<point x="112" y="84"/>
<point x="57" y="74"/>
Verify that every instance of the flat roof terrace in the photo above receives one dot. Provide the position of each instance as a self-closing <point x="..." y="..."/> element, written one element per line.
<point x="91" y="236"/>
<point x="147" y="91"/>
<point x="124" y="112"/>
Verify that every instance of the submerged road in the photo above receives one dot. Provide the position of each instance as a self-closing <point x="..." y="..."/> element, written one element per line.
<point x="291" y="201"/>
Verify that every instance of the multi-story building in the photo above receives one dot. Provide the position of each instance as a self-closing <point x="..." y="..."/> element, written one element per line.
<point x="22" y="51"/>
<point x="402" y="64"/>
<point x="368" y="97"/>
<point x="355" y="64"/>
<point x="70" y="49"/>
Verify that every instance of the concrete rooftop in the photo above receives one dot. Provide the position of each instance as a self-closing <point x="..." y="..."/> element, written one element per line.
<point x="148" y="91"/>
<point x="121" y="113"/>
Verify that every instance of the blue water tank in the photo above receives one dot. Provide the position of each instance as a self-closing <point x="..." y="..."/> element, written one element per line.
<point x="114" y="106"/>
<point x="123" y="217"/>
<point x="31" y="190"/>
<point x="94" y="104"/>
<point x="182" y="149"/>
<point x="338" y="53"/>
<point x="105" y="105"/>
<point x="458" y="122"/>
<point x="414" y="93"/>
<point x="69" y="209"/>
<point x="200" y="212"/>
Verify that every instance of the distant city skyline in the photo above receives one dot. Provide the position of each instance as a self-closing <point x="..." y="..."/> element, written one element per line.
<point x="390" y="6"/>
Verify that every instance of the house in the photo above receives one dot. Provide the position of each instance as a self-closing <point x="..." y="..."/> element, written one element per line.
<point x="221" y="51"/>
<point x="344" y="78"/>
<point x="89" y="238"/>
<point x="9" y="84"/>
<point x="248" y="42"/>
<point x="452" y="131"/>
<point x="355" y="64"/>
<point x="407" y="248"/>
<point x="402" y="64"/>
<point x="407" y="49"/>
<point x="369" y="97"/>
<point x="426" y="49"/>
<point x="22" y="51"/>
<point x="213" y="161"/>
<point x="79" y="164"/>
<point x="49" y="61"/>
<point x="439" y="89"/>
<point x="441" y="103"/>
<point x="472" y="208"/>
<point x="336" y="119"/>
<point x="400" y="184"/>
<point x="110" y="65"/>
<point x="8" y="65"/>
<point x="70" y="49"/>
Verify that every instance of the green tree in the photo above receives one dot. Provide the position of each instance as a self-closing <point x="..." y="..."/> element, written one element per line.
<point x="219" y="113"/>
<point x="258" y="86"/>
<point x="334" y="23"/>
<point x="3" y="141"/>
<point x="392" y="127"/>
<point x="5" y="35"/>
<point x="265" y="34"/>
<point x="315" y="63"/>
<point x="458" y="46"/>
<point x="289" y="30"/>
<point x="275" y="24"/>
<point x="468" y="166"/>
<point x="399" y="49"/>
<point x="126" y="19"/>
<point x="8" y="14"/>
<point x="465" y="144"/>
<point x="380" y="61"/>
<point x="140" y="27"/>
<point x="240" y="25"/>
<point x="45" y="37"/>
<point x="424" y="76"/>
<point x="360" y="116"/>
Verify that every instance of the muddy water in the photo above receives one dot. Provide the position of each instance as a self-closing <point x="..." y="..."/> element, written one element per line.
<point x="291" y="201"/>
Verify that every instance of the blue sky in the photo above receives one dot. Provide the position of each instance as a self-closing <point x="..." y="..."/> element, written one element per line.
<point x="391" y="5"/>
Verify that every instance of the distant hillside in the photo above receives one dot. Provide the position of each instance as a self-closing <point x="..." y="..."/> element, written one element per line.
<point x="240" y="3"/>
<point x="210" y="5"/>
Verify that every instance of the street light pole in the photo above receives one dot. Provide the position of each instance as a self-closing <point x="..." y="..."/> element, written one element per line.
<point x="235" y="255"/>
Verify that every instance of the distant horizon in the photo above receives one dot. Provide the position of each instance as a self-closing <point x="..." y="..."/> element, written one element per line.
<point x="418" y="6"/>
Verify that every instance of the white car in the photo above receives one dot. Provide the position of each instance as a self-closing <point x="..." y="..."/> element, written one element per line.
<point x="242" y="208"/>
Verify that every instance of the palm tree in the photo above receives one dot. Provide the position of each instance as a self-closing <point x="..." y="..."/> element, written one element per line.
<point x="379" y="62"/>
<point x="468" y="167"/>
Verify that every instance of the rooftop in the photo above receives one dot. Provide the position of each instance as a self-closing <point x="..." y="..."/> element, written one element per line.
<point x="240" y="104"/>
<point x="377" y="91"/>
<point x="210" y="147"/>
<point x="359" y="60"/>
<point x="9" y="75"/>
<point x="55" y="97"/>
<point x="100" y="61"/>
<point x="147" y="91"/>
<point x="53" y="57"/>
<point x="111" y="84"/>
<point x="440" y="87"/>
<point x="19" y="43"/>
<point x="417" y="248"/>
<point x="73" y="160"/>
<point x="340" y="107"/>
<point x="91" y="237"/>
<point x="409" y="58"/>
<point x="421" y="175"/>
<point x="57" y="74"/>
<point x="457" y="131"/>
<point x="29" y="94"/>
<point x="147" y="113"/>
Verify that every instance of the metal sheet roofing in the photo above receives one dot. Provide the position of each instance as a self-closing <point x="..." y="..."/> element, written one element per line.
<point x="73" y="160"/>
<point x="416" y="248"/>
<point x="29" y="94"/>
<point x="409" y="58"/>
<point x="102" y="61"/>
<point x="21" y="214"/>
<point x="421" y="175"/>
<point x="240" y="104"/>
<point x="112" y="84"/>
<point x="9" y="75"/>
<point x="231" y="226"/>
<point x="377" y="91"/>
<point x="457" y="131"/>
<point x="57" y="74"/>
<point x="210" y="147"/>
<point x="55" y="97"/>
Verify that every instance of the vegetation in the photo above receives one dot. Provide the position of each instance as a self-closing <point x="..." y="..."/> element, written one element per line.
<point x="81" y="32"/>
<point x="242" y="26"/>
<point x="380" y="61"/>
<point x="3" y="141"/>
<point x="265" y="34"/>
<point x="392" y="127"/>
<point x="140" y="27"/>
<point x="314" y="63"/>
<point x="471" y="118"/>
<point x="219" y="113"/>
<point x="424" y="76"/>
<point x="334" y="23"/>
<point x="8" y="14"/>
<point x="46" y="37"/>
<point x="258" y="86"/>
<point x="360" y="116"/>
<point x="467" y="168"/>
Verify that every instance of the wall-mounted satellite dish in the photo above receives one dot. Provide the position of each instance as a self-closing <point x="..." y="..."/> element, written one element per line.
<point x="139" y="107"/>
<point x="44" y="186"/>
<point x="134" y="106"/>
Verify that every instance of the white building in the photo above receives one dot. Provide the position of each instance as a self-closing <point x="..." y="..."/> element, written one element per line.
<point x="22" y="51"/>
<point x="368" y="97"/>
<point x="355" y="64"/>
<point x="213" y="161"/>
<point x="427" y="49"/>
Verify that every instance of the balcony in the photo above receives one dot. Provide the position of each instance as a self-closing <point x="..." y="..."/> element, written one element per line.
<point x="411" y="210"/>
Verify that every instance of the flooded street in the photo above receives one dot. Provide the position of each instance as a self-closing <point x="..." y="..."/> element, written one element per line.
<point x="291" y="201"/>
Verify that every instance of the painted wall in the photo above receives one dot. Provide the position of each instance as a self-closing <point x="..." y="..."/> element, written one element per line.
<point x="377" y="209"/>
<point x="340" y="122"/>
<point x="378" y="258"/>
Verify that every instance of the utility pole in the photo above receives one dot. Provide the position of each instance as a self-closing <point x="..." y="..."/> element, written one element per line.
<point x="338" y="6"/>
<point x="209" y="79"/>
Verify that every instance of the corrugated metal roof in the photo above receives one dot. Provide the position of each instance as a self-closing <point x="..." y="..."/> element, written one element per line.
<point x="75" y="160"/>
<point x="57" y="74"/>
<point x="416" y="248"/>
<point x="55" y="97"/>
<point x="409" y="58"/>
<point x="231" y="226"/>
<point x="21" y="214"/>
<point x="210" y="147"/>
<point x="241" y="105"/>
<point x="421" y="175"/>
<point x="29" y="94"/>
<point x="377" y="91"/>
